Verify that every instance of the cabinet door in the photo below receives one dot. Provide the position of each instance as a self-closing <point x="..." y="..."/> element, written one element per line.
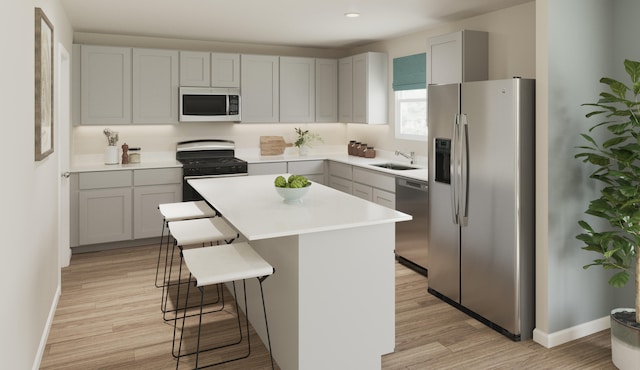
<point x="260" y="88"/>
<point x="297" y="89"/>
<point x="384" y="198"/>
<point x="360" y="88"/>
<point x="345" y="89"/>
<point x="445" y="59"/>
<point x="458" y="57"/>
<point x="270" y="168"/>
<point x="104" y="215"/>
<point x="147" y="220"/>
<point x="195" y="68"/>
<point x="326" y="90"/>
<point x="363" y="191"/>
<point x="338" y="183"/>
<point x="155" y="86"/>
<point x="225" y="70"/>
<point x="313" y="170"/>
<point x="370" y="88"/>
<point x="105" y="79"/>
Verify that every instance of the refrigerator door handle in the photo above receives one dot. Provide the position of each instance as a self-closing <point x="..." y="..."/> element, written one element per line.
<point x="464" y="171"/>
<point x="454" y="169"/>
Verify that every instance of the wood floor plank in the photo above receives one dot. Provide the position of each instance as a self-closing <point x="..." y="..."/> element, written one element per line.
<point x="108" y="317"/>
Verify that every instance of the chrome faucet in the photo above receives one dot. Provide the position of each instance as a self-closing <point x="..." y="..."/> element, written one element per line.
<point x="411" y="156"/>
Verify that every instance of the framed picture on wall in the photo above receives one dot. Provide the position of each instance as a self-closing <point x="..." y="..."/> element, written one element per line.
<point x="43" y="86"/>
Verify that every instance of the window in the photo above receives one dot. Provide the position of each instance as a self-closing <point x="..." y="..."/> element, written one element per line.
<point x="411" y="114"/>
<point x="410" y="86"/>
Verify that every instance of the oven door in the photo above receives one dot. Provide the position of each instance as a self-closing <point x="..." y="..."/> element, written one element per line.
<point x="190" y="194"/>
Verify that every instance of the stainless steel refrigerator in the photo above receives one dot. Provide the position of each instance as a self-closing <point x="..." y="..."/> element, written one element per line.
<point x="481" y="201"/>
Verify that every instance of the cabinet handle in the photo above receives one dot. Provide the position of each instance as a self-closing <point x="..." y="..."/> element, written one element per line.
<point x="66" y="174"/>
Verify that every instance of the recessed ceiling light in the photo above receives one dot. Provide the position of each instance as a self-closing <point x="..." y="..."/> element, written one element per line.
<point x="352" y="15"/>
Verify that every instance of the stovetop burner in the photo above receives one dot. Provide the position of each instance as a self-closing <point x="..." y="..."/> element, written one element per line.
<point x="209" y="157"/>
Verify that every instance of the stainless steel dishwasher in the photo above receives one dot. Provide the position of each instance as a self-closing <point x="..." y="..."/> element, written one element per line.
<point x="412" y="250"/>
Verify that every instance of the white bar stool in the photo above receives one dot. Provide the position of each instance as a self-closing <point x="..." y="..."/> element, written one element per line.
<point x="176" y="212"/>
<point x="222" y="264"/>
<point x="199" y="231"/>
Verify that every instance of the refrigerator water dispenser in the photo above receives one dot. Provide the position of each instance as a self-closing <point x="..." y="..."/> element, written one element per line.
<point x="443" y="160"/>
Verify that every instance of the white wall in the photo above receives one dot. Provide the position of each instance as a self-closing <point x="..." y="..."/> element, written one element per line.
<point x="512" y="53"/>
<point x="575" y="48"/>
<point x="29" y="271"/>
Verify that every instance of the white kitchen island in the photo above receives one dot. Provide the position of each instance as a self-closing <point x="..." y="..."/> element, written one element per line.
<point x="331" y="301"/>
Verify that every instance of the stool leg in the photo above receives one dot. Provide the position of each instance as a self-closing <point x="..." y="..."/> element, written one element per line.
<point x="167" y="283"/>
<point x="266" y="323"/>
<point x="160" y="253"/>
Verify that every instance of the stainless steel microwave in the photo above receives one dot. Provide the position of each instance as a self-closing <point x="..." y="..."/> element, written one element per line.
<point x="209" y="104"/>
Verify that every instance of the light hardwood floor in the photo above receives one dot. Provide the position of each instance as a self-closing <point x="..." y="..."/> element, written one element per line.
<point x="109" y="317"/>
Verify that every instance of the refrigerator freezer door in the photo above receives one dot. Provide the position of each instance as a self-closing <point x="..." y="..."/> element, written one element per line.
<point x="489" y="242"/>
<point x="443" y="263"/>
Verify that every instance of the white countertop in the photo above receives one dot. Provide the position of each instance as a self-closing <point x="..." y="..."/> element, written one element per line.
<point x="253" y="206"/>
<point x="337" y="154"/>
<point x="95" y="162"/>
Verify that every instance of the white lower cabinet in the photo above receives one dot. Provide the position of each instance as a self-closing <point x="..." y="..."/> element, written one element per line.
<point x="312" y="169"/>
<point x="268" y="168"/>
<point x="104" y="215"/>
<point x="366" y="184"/>
<point x="114" y="206"/>
<point x="147" y="221"/>
<point x="363" y="191"/>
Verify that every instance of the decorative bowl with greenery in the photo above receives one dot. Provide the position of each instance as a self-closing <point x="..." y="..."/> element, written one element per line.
<point x="615" y="157"/>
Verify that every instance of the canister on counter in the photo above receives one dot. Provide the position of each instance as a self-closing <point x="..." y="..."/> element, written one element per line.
<point x="350" y="146"/>
<point x="361" y="149"/>
<point x="134" y="155"/>
<point x="369" y="152"/>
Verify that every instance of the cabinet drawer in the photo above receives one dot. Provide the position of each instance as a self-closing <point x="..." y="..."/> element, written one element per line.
<point x="269" y="168"/>
<point x="363" y="191"/>
<point x="104" y="179"/>
<point x="306" y="167"/>
<point x="338" y="183"/>
<point x="157" y="176"/>
<point x="384" y="198"/>
<point x="340" y="170"/>
<point x="375" y="179"/>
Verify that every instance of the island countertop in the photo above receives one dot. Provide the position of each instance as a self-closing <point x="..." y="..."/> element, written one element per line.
<point x="253" y="206"/>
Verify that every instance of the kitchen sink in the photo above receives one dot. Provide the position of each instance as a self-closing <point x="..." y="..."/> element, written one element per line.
<point x="395" y="166"/>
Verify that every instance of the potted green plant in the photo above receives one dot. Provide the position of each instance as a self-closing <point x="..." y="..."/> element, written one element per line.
<point x="616" y="162"/>
<point x="305" y="140"/>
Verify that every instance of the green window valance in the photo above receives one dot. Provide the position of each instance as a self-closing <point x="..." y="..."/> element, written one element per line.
<point x="410" y="72"/>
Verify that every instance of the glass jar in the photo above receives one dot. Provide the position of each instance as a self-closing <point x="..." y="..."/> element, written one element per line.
<point x="369" y="152"/>
<point x="134" y="155"/>
<point x="361" y="149"/>
<point x="354" y="148"/>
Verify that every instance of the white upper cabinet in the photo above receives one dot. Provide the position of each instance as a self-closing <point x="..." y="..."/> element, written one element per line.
<point x="155" y="86"/>
<point x="297" y="89"/>
<point x="326" y="90"/>
<point x="199" y="68"/>
<point x="225" y="70"/>
<point x="260" y="88"/>
<point x="345" y="89"/>
<point x="458" y="57"/>
<point x="105" y="85"/>
<point x="369" y="88"/>
<point x="195" y="68"/>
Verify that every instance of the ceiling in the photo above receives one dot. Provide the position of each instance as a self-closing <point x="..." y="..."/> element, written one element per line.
<point x="301" y="23"/>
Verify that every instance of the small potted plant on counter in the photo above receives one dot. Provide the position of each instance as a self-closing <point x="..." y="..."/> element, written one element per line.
<point x="615" y="157"/>
<point x="305" y="140"/>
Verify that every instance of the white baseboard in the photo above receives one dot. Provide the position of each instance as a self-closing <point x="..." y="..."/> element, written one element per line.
<point x="47" y="329"/>
<point x="567" y="335"/>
